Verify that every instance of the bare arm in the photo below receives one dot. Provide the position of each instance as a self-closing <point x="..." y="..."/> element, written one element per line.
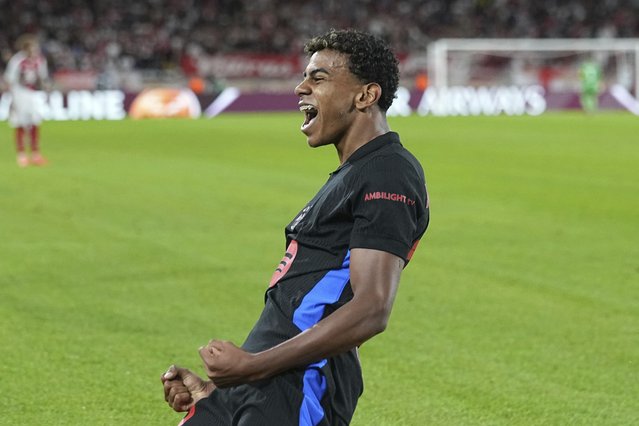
<point x="374" y="280"/>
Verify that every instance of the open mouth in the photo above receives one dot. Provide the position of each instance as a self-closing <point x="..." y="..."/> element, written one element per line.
<point x="310" y="112"/>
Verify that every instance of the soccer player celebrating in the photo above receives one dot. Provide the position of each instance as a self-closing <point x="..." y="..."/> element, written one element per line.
<point x="346" y="249"/>
<point x="26" y="73"/>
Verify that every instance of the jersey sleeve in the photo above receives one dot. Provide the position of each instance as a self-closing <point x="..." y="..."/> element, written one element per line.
<point x="389" y="206"/>
<point x="11" y="74"/>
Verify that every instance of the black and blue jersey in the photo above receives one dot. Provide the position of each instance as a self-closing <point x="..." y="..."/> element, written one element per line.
<point x="377" y="199"/>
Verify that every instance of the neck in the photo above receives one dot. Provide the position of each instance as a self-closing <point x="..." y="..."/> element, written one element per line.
<point x="360" y="133"/>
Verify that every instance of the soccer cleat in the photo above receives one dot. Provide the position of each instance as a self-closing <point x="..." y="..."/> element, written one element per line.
<point x="38" y="160"/>
<point x="23" y="160"/>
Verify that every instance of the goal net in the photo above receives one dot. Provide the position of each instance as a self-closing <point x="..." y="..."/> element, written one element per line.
<point x="551" y="63"/>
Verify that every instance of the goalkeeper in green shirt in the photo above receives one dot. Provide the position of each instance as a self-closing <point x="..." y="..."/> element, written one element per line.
<point x="590" y="76"/>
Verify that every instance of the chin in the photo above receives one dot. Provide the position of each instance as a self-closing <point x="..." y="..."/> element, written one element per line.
<point x="319" y="138"/>
<point x="310" y="140"/>
<point x="315" y="143"/>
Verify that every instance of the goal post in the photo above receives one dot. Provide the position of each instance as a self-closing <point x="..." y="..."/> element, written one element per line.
<point x="440" y="51"/>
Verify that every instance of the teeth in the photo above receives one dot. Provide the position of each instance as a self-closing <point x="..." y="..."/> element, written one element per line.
<point x="305" y="108"/>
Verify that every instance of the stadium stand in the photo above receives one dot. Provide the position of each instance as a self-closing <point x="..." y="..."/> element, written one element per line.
<point x="159" y="34"/>
<point x="131" y="45"/>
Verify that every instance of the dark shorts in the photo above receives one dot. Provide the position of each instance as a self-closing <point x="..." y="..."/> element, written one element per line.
<point x="299" y="398"/>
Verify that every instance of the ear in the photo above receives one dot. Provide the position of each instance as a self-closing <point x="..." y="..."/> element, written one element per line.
<point x="368" y="96"/>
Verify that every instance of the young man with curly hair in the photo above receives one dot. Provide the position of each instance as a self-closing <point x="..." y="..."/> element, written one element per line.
<point x="346" y="249"/>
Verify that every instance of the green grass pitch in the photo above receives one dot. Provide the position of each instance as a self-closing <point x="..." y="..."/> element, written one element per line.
<point x="144" y="239"/>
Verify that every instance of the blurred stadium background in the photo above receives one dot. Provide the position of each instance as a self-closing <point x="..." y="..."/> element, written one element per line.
<point x="142" y="239"/>
<point x="255" y="47"/>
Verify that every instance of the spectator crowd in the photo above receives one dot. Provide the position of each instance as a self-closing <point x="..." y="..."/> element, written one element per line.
<point x="165" y="34"/>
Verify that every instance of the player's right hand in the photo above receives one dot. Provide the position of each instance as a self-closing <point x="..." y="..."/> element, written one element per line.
<point x="183" y="388"/>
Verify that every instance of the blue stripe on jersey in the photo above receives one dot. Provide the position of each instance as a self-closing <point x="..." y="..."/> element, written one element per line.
<point x="326" y="292"/>
<point x="311" y="411"/>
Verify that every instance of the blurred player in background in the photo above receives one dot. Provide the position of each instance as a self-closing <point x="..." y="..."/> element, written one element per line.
<point x="26" y="73"/>
<point x="590" y="77"/>
<point x="346" y="249"/>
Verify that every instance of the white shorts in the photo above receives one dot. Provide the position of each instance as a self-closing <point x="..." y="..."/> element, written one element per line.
<point x="25" y="108"/>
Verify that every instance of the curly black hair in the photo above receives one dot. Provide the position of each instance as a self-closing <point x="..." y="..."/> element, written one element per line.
<point x="370" y="59"/>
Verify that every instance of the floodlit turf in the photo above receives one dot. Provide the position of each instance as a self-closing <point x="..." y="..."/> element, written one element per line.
<point x="144" y="239"/>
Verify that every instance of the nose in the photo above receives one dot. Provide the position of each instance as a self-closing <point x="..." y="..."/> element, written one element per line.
<point x="302" y="88"/>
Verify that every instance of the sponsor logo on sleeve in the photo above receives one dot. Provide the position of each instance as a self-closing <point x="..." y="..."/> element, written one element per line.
<point x="391" y="196"/>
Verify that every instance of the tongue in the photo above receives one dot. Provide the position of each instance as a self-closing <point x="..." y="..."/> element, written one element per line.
<point x="309" y="116"/>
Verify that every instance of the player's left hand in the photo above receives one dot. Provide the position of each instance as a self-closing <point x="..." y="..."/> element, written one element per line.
<point x="226" y="364"/>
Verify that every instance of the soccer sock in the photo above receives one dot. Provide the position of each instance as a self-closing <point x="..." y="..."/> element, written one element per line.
<point x="35" y="139"/>
<point x="20" y="140"/>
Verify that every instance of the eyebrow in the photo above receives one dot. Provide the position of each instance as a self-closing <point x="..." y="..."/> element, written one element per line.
<point x="316" y="71"/>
